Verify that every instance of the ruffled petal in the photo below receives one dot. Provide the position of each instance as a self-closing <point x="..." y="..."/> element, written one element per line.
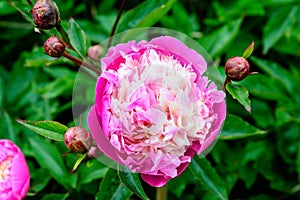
<point x="101" y="140"/>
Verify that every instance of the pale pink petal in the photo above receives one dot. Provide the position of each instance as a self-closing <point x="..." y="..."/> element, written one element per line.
<point x="179" y="49"/>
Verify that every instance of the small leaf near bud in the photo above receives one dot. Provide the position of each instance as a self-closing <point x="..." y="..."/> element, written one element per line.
<point x="248" y="51"/>
<point x="45" y="14"/>
<point x="54" y="47"/>
<point x="237" y="68"/>
<point x="78" y="140"/>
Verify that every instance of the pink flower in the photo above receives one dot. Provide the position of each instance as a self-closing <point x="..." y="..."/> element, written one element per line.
<point x="154" y="108"/>
<point x="14" y="173"/>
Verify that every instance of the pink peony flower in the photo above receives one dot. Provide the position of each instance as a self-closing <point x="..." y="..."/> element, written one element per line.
<point x="14" y="173"/>
<point x="154" y="108"/>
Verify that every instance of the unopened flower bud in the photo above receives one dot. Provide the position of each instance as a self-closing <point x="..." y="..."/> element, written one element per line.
<point x="237" y="68"/>
<point x="78" y="140"/>
<point x="95" y="52"/>
<point x="54" y="47"/>
<point x="45" y="14"/>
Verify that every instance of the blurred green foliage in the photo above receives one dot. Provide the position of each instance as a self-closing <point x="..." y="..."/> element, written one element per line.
<point x="258" y="153"/>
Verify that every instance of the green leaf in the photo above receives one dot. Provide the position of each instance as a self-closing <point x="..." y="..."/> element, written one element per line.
<point x="276" y="71"/>
<point x="207" y="175"/>
<point x="91" y="171"/>
<point x="180" y="19"/>
<point x="180" y="183"/>
<point x="23" y="7"/>
<point x="287" y="114"/>
<point x="247" y="174"/>
<point x="50" y="158"/>
<point x="298" y="161"/>
<point x="289" y="42"/>
<point x="132" y="182"/>
<point x="50" y="129"/>
<point x="277" y="24"/>
<point x="1" y="94"/>
<point x="263" y="113"/>
<point x="112" y="188"/>
<point x="145" y="14"/>
<point x="40" y="178"/>
<point x="217" y="42"/>
<point x="58" y="87"/>
<point x="10" y="129"/>
<point x="236" y="128"/>
<point x="77" y="38"/>
<point x="263" y="86"/>
<point x="239" y="93"/>
<point x="55" y="196"/>
<point x="248" y="51"/>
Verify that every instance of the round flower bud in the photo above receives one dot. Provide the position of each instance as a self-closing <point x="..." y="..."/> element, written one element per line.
<point x="95" y="52"/>
<point x="45" y="14"/>
<point x="54" y="47"/>
<point x="237" y="68"/>
<point x="78" y="140"/>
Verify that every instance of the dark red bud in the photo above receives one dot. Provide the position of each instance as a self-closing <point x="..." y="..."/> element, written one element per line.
<point x="78" y="140"/>
<point x="237" y="68"/>
<point x="45" y="14"/>
<point x="54" y="47"/>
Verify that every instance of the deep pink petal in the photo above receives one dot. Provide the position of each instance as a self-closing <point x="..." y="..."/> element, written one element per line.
<point x="101" y="140"/>
<point x="19" y="173"/>
<point x="21" y="178"/>
<point x="154" y="180"/>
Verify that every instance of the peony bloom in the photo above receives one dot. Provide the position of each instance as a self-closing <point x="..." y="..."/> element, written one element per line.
<point x="14" y="173"/>
<point x="154" y="108"/>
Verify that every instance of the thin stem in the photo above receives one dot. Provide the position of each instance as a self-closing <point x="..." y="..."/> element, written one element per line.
<point x="79" y="62"/>
<point x="227" y="80"/>
<point x="116" y="23"/>
<point x="63" y="33"/>
<point x="162" y="193"/>
<point x="29" y="2"/>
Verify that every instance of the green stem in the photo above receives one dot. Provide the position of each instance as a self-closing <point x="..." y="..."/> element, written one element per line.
<point x="116" y="23"/>
<point x="79" y="62"/>
<point x="162" y="193"/>
<point x="63" y="33"/>
<point x="227" y="80"/>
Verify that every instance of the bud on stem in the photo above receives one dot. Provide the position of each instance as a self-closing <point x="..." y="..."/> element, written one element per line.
<point x="78" y="140"/>
<point x="45" y="14"/>
<point x="54" y="47"/>
<point x="237" y="68"/>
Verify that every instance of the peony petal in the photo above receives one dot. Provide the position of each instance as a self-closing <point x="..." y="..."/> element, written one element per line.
<point x="154" y="180"/>
<point x="21" y="178"/>
<point x="101" y="140"/>
<point x="220" y="109"/>
<point x="180" y="49"/>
